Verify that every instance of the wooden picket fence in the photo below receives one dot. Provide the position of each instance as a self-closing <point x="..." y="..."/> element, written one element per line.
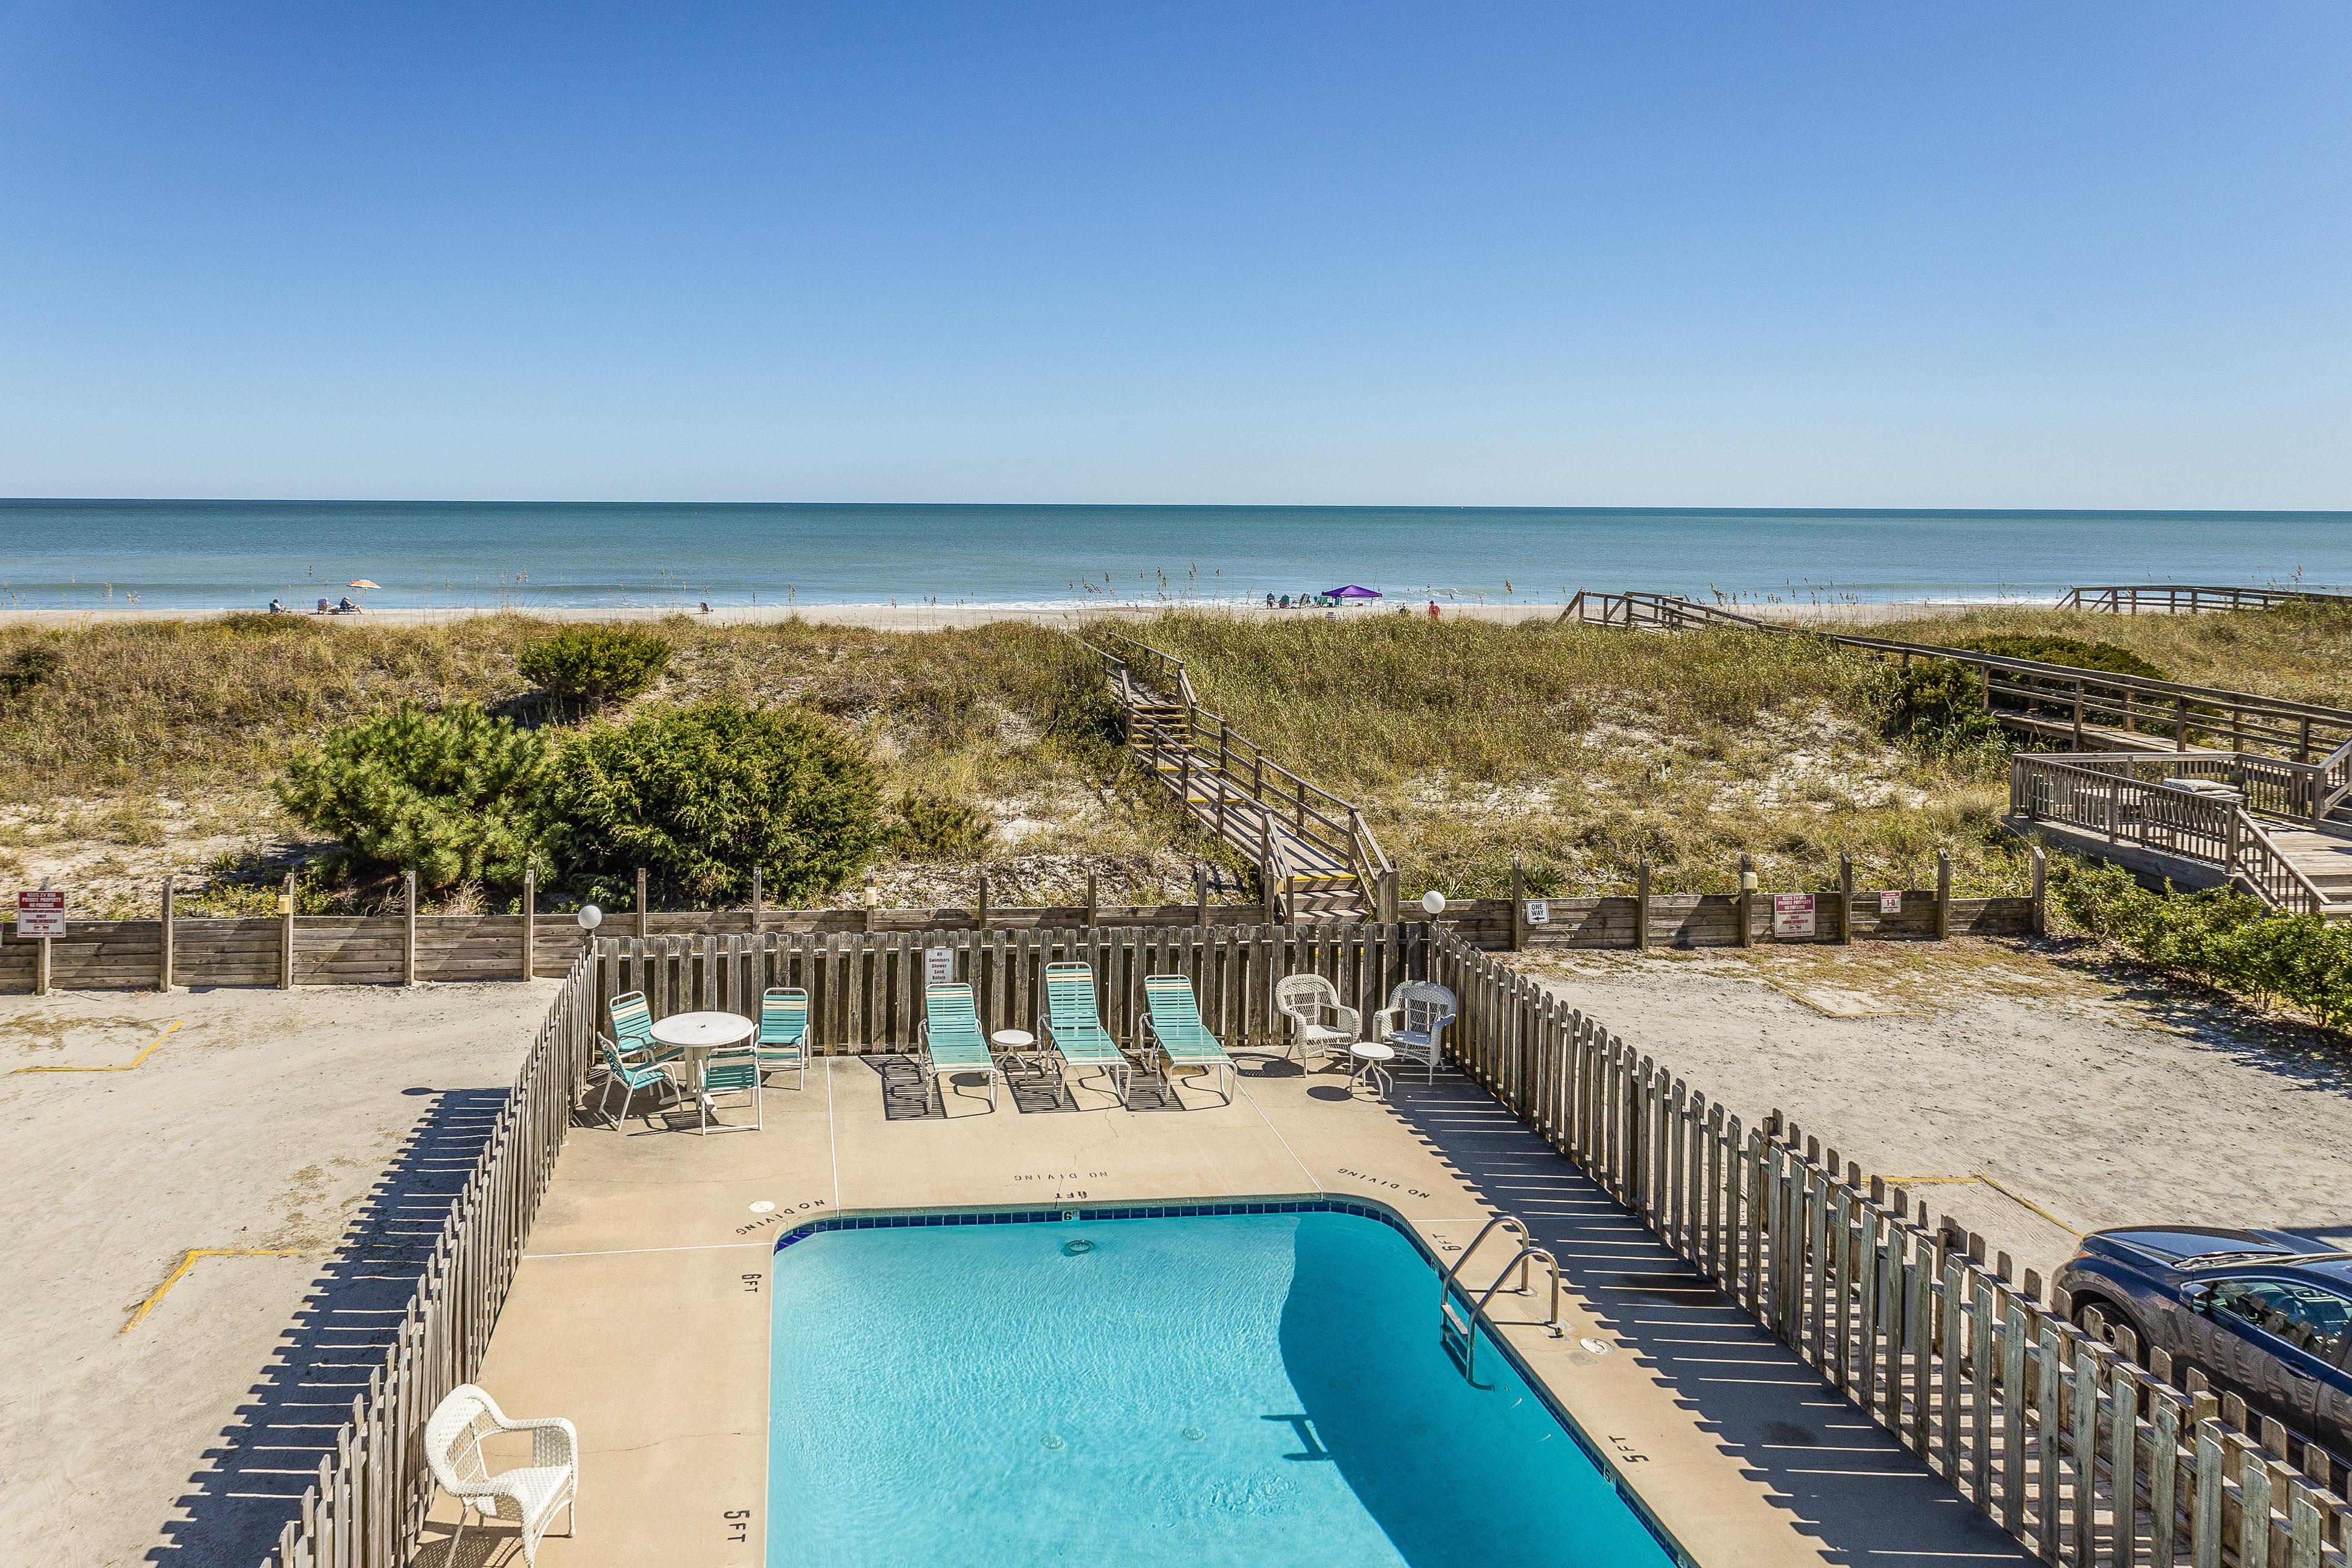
<point x="2078" y="1452"/>
<point x="366" y="1508"/>
<point x="865" y="993"/>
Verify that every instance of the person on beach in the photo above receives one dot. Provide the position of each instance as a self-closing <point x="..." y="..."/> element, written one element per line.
<point x="1269" y="601"/>
<point x="1432" y="609"/>
<point x="346" y="607"/>
<point x="276" y="607"/>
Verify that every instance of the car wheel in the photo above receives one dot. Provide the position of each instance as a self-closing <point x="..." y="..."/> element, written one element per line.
<point x="2112" y="1317"/>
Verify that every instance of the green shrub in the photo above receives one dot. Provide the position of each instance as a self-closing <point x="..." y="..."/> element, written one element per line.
<point x="452" y="795"/>
<point x="591" y="665"/>
<point x="929" y="826"/>
<point x="699" y="795"/>
<point x="2222" y="938"/>
<point x="1935" y="704"/>
<point x="2049" y="648"/>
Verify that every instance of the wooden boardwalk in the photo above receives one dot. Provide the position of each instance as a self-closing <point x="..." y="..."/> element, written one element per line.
<point x="2151" y="756"/>
<point x="1318" y="859"/>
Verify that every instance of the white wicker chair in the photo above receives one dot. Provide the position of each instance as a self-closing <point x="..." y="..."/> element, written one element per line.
<point x="1306" y="1000"/>
<point x="527" y="1498"/>
<point x="1413" y="1023"/>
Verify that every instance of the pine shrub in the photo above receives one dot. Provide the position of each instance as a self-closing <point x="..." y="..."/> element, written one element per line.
<point x="701" y="795"/>
<point x="452" y="795"/>
<point x="594" y="665"/>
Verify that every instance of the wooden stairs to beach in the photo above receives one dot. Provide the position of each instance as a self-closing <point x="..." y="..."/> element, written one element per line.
<point x="1315" y="855"/>
<point x="2184" y="781"/>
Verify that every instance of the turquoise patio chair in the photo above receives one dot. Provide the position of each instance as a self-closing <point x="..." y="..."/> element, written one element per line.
<point x="1071" y="1027"/>
<point x="1177" y="1033"/>
<point x="783" y="1030"/>
<point x="633" y="1030"/>
<point x="951" y="1040"/>
<point x="734" y="1070"/>
<point x="617" y="1070"/>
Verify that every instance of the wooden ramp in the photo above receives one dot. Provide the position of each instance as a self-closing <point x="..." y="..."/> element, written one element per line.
<point x="1316" y="881"/>
<point x="1316" y="855"/>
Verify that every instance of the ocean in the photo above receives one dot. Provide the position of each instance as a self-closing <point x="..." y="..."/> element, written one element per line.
<point x="215" y="554"/>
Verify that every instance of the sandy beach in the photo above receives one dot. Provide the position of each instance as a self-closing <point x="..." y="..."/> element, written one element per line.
<point x="912" y="617"/>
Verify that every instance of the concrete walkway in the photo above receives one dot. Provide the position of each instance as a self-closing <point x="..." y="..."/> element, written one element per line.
<point x="641" y="1311"/>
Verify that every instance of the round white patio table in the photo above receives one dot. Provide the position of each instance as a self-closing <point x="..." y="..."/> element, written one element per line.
<point x="699" y="1034"/>
<point x="1369" y="1070"/>
<point x="1017" y="1044"/>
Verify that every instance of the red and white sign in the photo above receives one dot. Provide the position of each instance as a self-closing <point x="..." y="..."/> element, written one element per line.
<point x="1792" y="915"/>
<point x="41" y="911"/>
<point x="1890" y="903"/>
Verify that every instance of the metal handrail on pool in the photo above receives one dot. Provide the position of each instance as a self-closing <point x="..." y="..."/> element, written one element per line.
<point x="1466" y="1330"/>
<point x="1445" y="1282"/>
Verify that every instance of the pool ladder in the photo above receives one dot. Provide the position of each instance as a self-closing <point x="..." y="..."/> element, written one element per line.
<point x="1458" y="1331"/>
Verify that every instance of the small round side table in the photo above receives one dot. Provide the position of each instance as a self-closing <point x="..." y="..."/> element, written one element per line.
<point x="1016" y="1045"/>
<point x="1368" y="1072"/>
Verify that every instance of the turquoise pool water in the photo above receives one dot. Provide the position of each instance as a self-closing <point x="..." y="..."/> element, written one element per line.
<point x="1255" y="1389"/>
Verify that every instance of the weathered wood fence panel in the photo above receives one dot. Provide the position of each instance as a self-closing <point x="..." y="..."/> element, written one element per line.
<point x="369" y="950"/>
<point x="865" y="993"/>
<point x="2084" y="1456"/>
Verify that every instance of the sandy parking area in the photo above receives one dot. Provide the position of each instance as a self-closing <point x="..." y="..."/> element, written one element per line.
<point x="259" y="1128"/>
<point x="2030" y="1095"/>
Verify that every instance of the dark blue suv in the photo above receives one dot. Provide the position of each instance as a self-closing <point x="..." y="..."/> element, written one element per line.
<point x="2265" y="1312"/>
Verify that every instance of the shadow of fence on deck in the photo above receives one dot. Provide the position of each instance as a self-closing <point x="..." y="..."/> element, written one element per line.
<point x="252" y="1481"/>
<point x="1854" y="1491"/>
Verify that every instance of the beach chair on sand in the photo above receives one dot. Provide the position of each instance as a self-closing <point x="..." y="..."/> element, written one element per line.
<point x="1071" y="1027"/>
<point x="1177" y="1033"/>
<point x="951" y="1040"/>
<point x="784" y="1031"/>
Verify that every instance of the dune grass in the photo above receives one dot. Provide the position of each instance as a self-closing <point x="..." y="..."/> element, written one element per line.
<point x="107" y="729"/>
<point x="1583" y="749"/>
<point x="2299" y="652"/>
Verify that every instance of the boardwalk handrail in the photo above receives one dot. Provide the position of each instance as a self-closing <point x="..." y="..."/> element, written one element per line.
<point x="2054" y="1433"/>
<point x="2058" y="699"/>
<point x="2108" y="794"/>
<point x="2178" y="599"/>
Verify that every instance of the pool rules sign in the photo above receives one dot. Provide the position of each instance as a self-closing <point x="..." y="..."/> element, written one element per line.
<point x="40" y="913"/>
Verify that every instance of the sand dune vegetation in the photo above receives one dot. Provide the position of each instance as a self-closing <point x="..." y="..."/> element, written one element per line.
<point x="131" y="748"/>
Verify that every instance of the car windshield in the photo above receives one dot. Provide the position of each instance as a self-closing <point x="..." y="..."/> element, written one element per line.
<point x="2225" y="1260"/>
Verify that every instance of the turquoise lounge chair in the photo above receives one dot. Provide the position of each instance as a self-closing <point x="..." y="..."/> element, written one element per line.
<point x="633" y="1030"/>
<point x="951" y="1039"/>
<point x="617" y="1070"/>
<point x="784" y="1031"/>
<point x="1071" y="1027"/>
<point x="1177" y="1032"/>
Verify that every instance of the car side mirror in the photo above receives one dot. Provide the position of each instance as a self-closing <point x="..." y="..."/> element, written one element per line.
<point x="2200" y="1300"/>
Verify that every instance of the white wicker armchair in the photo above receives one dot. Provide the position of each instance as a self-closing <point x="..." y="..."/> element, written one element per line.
<point x="1413" y="1023"/>
<point x="1307" y="1000"/>
<point x="527" y="1498"/>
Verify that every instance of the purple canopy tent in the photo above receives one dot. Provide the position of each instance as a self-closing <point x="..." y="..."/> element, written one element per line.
<point x="1351" y="592"/>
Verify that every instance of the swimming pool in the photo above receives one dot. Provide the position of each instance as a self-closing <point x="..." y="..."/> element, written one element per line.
<point x="1195" y="1388"/>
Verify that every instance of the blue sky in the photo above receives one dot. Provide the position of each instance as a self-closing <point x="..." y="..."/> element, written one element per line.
<point x="1989" y="255"/>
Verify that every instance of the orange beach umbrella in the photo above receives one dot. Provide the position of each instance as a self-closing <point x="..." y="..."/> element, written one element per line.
<point x="363" y="582"/>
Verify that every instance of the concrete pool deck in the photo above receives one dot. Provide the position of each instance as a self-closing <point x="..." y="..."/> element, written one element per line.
<point x="641" y="1309"/>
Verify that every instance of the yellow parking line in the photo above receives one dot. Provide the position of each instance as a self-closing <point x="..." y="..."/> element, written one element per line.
<point x="126" y="1067"/>
<point x="2017" y="1198"/>
<point x="188" y="1261"/>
